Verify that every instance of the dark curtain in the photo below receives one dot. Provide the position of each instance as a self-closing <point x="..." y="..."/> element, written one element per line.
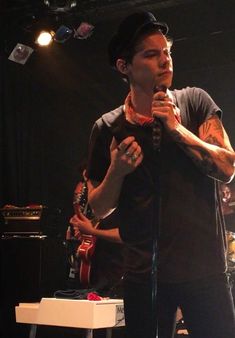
<point x="48" y="106"/>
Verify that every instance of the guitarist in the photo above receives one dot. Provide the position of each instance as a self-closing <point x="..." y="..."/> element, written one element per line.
<point x="99" y="249"/>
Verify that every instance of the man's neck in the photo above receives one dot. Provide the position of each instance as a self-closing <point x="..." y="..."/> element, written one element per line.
<point x="142" y="102"/>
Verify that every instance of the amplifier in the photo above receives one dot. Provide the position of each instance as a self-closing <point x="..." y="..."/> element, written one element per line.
<point x="29" y="220"/>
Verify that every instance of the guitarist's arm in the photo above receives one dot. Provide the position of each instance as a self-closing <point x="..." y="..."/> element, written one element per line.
<point x="85" y="226"/>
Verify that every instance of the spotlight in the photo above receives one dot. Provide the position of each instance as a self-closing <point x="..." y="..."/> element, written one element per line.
<point x="45" y="38"/>
<point x="20" y="53"/>
<point x="83" y="31"/>
<point x="62" y="34"/>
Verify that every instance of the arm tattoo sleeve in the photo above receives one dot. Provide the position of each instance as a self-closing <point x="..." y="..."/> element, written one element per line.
<point x="204" y="161"/>
<point x="212" y="131"/>
<point x="211" y="151"/>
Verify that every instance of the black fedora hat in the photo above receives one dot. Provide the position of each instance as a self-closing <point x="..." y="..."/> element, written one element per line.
<point x="129" y="30"/>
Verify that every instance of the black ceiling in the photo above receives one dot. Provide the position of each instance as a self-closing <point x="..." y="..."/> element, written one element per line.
<point x="107" y="6"/>
<point x="95" y="10"/>
<point x="18" y="13"/>
<point x="197" y="13"/>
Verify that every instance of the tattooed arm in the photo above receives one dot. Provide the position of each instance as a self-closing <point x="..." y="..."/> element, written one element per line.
<point x="211" y="151"/>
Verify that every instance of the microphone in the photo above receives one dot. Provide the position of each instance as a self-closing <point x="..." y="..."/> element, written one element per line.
<point x="157" y="123"/>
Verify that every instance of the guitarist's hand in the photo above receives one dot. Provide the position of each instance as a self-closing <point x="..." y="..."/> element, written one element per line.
<point x="86" y="249"/>
<point x="125" y="156"/>
<point x="82" y="224"/>
<point x="76" y="231"/>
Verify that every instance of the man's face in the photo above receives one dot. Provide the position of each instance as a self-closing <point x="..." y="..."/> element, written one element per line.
<point x="226" y="193"/>
<point x="151" y="65"/>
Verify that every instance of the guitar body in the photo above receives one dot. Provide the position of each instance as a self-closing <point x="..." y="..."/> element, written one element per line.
<point x="85" y="252"/>
<point x="84" y="273"/>
<point x="86" y="249"/>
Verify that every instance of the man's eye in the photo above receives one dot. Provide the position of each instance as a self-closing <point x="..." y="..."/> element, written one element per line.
<point x="158" y="53"/>
<point x="153" y="54"/>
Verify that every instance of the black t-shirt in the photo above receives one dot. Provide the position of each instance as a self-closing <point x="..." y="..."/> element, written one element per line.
<point x="165" y="197"/>
<point x="107" y="261"/>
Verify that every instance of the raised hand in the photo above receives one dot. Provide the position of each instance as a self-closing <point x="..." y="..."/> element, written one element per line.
<point x="125" y="156"/>
<point x="164" y="109"/>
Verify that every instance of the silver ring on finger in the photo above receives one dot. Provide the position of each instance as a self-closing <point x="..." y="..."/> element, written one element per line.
<point x="134" y="157"/>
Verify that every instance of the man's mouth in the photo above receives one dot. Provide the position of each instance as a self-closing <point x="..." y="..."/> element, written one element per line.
<point x="165" y="73"/>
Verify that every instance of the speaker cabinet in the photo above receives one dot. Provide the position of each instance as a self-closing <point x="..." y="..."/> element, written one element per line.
<point x="31" y="268"/>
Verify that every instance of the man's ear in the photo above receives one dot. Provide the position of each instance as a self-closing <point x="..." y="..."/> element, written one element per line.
<point x="121" y="66"/>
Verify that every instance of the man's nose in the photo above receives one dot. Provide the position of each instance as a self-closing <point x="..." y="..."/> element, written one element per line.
<point x="165" y="59"/>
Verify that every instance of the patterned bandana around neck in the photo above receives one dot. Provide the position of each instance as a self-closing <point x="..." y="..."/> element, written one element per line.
<point x="139" y="119"/>
<point x="134" y="117"/>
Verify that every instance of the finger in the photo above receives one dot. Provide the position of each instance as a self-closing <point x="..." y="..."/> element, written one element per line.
<point x="113" y="144"/>
<point x="125" y="143"/>
<point x="73" y="220"/>
<point x="137" y="155"/>
<point x="161" y="103"/>
<point x="138" y="160"/>
<point x="160" y="95"/>
<point x="138" y="151"/>
<point x="131" y="149"/>
<point x="77" y="233"/>
<point x="134" y="157"/>
<point x="160" y="114"/>
<point x="81" y="217"/>
<point x="119" y="148"/>
<point x="158" y="103"/>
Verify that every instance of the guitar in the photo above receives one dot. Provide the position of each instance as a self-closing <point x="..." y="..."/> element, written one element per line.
<point x="86" y="249"/>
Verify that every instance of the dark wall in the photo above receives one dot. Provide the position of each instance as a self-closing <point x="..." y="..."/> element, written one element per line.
<point x="49" y="105"/>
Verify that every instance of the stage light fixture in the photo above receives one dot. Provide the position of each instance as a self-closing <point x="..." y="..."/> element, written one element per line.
<point x="20" y="53"/>
<point x="60" y="5"/>
<point x="45" y="38"/>
<point x="84" y="31"/>
<point x="62" y="34"/>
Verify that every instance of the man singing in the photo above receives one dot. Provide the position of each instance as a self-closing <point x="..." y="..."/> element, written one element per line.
<point x="158" y="159"/>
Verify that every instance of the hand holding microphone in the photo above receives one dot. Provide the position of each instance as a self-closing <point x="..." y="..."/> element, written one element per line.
<point x="157" y="123"/>
<point x="166" y="115"/>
